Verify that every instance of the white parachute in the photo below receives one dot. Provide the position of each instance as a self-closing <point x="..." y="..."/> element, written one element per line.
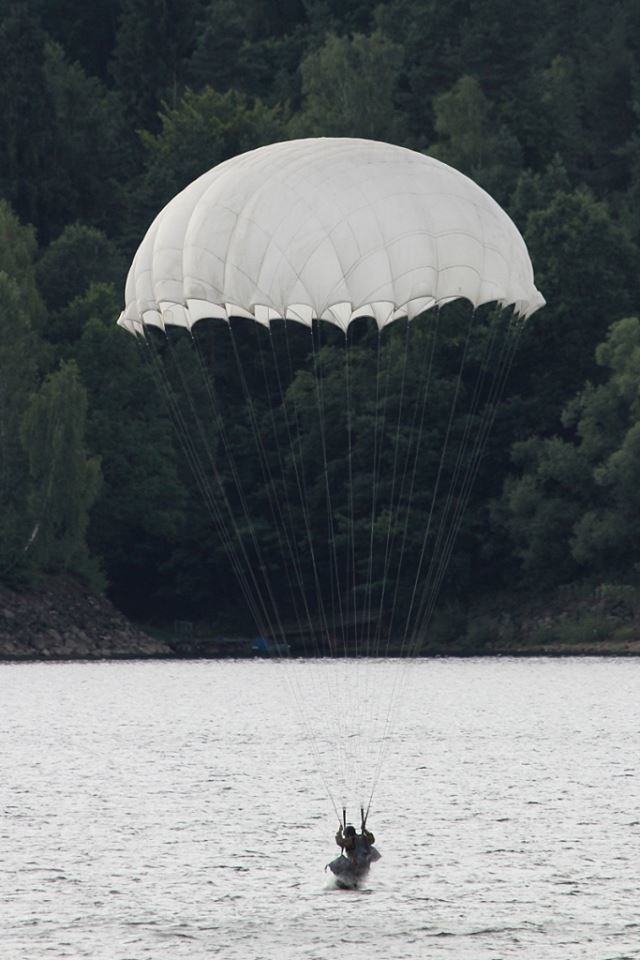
<point x="327" y="228"/>
<point x="335" y="448"/>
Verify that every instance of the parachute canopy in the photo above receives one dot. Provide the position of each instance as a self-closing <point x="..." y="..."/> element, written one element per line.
<point x="326" y="228"/>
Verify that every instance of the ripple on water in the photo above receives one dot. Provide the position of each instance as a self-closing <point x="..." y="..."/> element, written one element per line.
<point x="148" y="816"/>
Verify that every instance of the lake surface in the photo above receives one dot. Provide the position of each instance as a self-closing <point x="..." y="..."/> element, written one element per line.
<point x="178" y="810"/>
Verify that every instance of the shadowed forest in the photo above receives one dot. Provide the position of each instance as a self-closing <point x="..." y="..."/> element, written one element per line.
<point x="110" y="108"/>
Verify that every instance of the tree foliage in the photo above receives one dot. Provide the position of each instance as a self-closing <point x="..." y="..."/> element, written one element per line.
<point x="21" y="356"/>
<point x="349" y="87"/>
<point x="63" y="481"/>
<point x="574" y="508"/>
<point x="110" y="109"/>
<point x="203" y="130"/>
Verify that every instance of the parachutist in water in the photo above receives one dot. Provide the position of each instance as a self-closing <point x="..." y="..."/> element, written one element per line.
<point x="358" y="853"/>
<point x="350" y="841"/>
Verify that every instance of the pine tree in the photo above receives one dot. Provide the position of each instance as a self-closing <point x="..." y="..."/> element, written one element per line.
<point x="63" y="480"/>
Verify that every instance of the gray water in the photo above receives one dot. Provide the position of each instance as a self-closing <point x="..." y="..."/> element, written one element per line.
<point x="173" y="810"/>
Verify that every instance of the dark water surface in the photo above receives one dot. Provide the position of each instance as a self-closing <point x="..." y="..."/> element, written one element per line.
<point x="174" y="810"/>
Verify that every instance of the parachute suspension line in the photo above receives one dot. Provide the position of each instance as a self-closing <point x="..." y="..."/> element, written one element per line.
<point x="363" y="712"/>
<point x="429" y="590"/>
<point x="403" y="480"/>
<point x="434" y="497"/>
<point x="461" y="485"/>
<point x="279" y="523"/>
<point x="392" y="493"/>
<point x="258" y="609"/>
<point x="350" y="565"/>
<point x="410" y="470"/>
<point x="368" y="588"/>
<point x="354" y="693"/>
<point x="261" y="617"/>
<point x="369" y="631"/>
<point x="360" y="630"/>
<point x="400" y="674"/>
<point x="417" y="429"/>
<point x="361" y="579"/>
<point x="380" y="504"/>
<point x="301" y="487"/>
<point x="508" y="350"/>
<point x="498" y="381"/>
<point x="373" y="630"/>
<point x="296" y="446"/>
<point x="336" y="597"/>
<point x="329" y="674"/>
<point x="288" y="521"/>
<point x="379" y="426"/>
<point x="281" y="532"/>
<point x="393" y="509"/>
<point x="184" y="435"/>
<point x="247" y="565"/>
<point x="310" y="629"/>
<point x="226" y="522"/>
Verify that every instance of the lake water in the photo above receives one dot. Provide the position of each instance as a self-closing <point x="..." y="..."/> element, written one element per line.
<point x="174" y="810"/>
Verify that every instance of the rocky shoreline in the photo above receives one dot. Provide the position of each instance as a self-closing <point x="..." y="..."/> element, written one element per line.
<point x="64" y="621"/>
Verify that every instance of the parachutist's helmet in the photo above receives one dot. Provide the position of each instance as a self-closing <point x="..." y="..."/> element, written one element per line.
<point x="349" y="831"/>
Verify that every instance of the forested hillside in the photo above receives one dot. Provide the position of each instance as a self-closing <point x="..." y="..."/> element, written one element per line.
<point x="111" y="107"/>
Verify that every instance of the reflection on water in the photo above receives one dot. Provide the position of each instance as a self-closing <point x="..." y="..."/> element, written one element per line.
<point x="174" y="810"/>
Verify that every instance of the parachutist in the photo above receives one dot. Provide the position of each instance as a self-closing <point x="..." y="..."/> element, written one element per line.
<point x="349" y="840"/>
<point x="358" y="853"/>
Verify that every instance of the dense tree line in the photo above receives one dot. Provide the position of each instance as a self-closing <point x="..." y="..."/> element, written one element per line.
<point x="112" y="107"/>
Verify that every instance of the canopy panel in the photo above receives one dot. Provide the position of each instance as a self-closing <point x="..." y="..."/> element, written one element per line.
<point x="329" y="228"/>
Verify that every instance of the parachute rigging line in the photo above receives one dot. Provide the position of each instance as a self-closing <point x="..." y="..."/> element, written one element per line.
<point x="251" y="590"/>
<point x="259" y="593"/>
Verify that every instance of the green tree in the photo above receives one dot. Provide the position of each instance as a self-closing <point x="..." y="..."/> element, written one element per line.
<point x="536" y="190"/>
<point x="609" y="69"/>
<point x="349" y="87"/>
<point x="218" y="59"/>
<point x="252" y="47"/>
<point x="18" y="373"/>
<point x="561" y="112"/>
<point x="27" y="120"/>
<point x="202" y="131"/>
<point x="470" y="139"/>
<point x="137" y="520"/>
<point x="81" y="175"/>
<point x="586" y="267"/>
<point x="607" y="420"/>
<point x="154" y="40"/>
<point x="63" y="480"/>
<point x="59" y="130"/>
<point x="85" y="31"/>
<point x="629" y="202"/>
<point x="574" y="508"/>
<point x="21" y="354"/>
<point x="430" y="36"/>
<point x="18" y="249"/>
<point x="331" y="15"/>
<point x="80" y="256"/>
<point x="541" y="506"/>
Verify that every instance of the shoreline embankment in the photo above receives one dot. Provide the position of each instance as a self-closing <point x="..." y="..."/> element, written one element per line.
<point x="62" y="620"/>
